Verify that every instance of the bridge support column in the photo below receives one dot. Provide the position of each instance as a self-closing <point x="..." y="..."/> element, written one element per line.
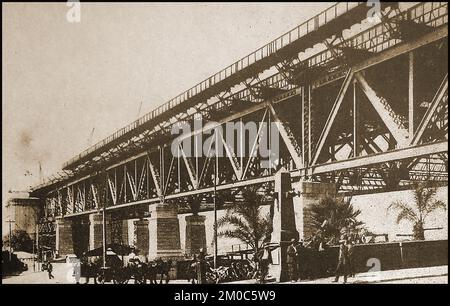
<point x="164" y="233"/>
<point x="195" y="234"/>
<point x="283" y="222"/>
<point x="142" y="236"/>
<point x="96" y="230"/>
<point x="125" y="230"/>
<point x="64" y="238"/>
<point x="310" y="193"/>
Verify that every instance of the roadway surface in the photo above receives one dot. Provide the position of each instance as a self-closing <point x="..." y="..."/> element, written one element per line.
<point x="434" y="275"/>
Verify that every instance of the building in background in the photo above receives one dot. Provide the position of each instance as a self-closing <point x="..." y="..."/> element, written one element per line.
<point x="25" y="211"/>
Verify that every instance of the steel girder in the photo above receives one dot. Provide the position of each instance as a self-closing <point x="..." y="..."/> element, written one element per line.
<point x="154" y="175"/>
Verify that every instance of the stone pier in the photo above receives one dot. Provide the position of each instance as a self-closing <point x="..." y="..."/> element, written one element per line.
<point x="284" y="227"/>
<point x="142" y="236"/>
<point x="310" y="193"/>
<point x="164" y="232"/>
<point x="96" y="230"/>
<point x="64" y="238"/>
<point x="125" y="234"/>
<point x="195" y="234"/>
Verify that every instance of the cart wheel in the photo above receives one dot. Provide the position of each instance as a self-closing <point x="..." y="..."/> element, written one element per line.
<point x="100" y="279"/>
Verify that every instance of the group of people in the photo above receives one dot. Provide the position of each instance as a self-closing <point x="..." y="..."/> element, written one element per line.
<point x="296" y="260"/>
<point x="308" y="262"/>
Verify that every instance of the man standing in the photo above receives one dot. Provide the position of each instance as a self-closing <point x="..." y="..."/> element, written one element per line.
<point x="351" y="252"/>
<point x="342" y="268"/>
<point x="292" y="261"/>
<point x="201" y="267"/>
<point x="300" y="260"/>
<point x="49" y="270"/>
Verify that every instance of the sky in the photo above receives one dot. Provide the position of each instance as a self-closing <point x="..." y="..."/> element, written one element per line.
<point x="63" y="82"/>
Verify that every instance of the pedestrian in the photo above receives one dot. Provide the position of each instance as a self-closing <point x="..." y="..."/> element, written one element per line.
<point x="292" y="261"/>
<point x="49" y="270"/>
<point x="342" y="267"/>
<point x="192" y="270"/>
<point x="77" y="271"/>
<point x="351" y="255"/>
<point x="201" y="268"/>
<point x="264" y="265"/>
<point x="300" y="260"/>
<point x="322" y="257"/>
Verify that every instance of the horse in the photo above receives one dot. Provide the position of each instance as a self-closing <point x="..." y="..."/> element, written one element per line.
<point x="191" y="272"/>
<point x="163" y="268"/>
<point x="153" y="268"/>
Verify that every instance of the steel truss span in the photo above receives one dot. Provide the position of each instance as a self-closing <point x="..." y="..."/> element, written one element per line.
<point x="368" y="112"/>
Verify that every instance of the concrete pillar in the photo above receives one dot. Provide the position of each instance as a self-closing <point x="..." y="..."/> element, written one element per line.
<point x="164" y="231"/>
<point x="311" y="193"/>
<point x="142" y="236"/>
<point x="80" y="235"/>
<point x="195" y="234"/>
<point x="131" y="232"/>
<point x="283" y="221"/>
<point x="125" y="232"/>
<point x="64" y="238"/>
<point x="96" y="230"/>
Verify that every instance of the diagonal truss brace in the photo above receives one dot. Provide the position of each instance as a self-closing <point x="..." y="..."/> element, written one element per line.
<point x="288" y="138"/>
<point x="231" y="156"/>
<point x="401" y="135"/>
<point x="112" y="189"/>
<point x="154" y="177"/>
<point x="432" y="108"/>
<point x="254" y="146"/>
<point x="189" y="167"/>
<point x="336" y="106"/>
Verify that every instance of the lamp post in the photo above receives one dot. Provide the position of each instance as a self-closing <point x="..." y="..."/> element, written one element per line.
<point x="104" y="234"/>
<point x="214" y="200"/>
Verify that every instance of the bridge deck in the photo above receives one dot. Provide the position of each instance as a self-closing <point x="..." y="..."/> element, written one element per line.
<point x="332" y="21"/>
<point x="375" y="40"/>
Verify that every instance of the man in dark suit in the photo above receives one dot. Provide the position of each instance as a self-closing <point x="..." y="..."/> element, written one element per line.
<point x="292" y="260"/>
<point x="351" y="255"/>
<point x="342" y="267"/>
<point x="301" y="260"/>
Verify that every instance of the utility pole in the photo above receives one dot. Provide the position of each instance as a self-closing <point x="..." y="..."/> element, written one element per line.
<point x="215" y="201"/>
<point x="37" y="245"/>
<point x="34" y="261"/>
<point x="10" y="235"/>
<point x="104" y="234"/>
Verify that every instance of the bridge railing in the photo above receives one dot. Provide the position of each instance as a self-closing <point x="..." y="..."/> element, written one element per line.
<point x="274" y="46"/>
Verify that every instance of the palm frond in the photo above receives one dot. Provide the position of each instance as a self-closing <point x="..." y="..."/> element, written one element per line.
<point x="432" y="206"/>
<point x="405" y="212"/>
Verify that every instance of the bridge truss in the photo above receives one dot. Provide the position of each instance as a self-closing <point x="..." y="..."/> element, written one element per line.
<point x="369" y="112"/>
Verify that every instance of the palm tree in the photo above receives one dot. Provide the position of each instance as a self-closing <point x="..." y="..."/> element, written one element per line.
<point x="246" y="222"/>
<point x="424" y="203"/>
<point x="331" y="216"/>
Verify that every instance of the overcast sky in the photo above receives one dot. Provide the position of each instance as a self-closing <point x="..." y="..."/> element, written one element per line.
<point x="61" y="80"/>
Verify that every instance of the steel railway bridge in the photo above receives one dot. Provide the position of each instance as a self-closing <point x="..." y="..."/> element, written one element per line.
<point x="359" y="107"/>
